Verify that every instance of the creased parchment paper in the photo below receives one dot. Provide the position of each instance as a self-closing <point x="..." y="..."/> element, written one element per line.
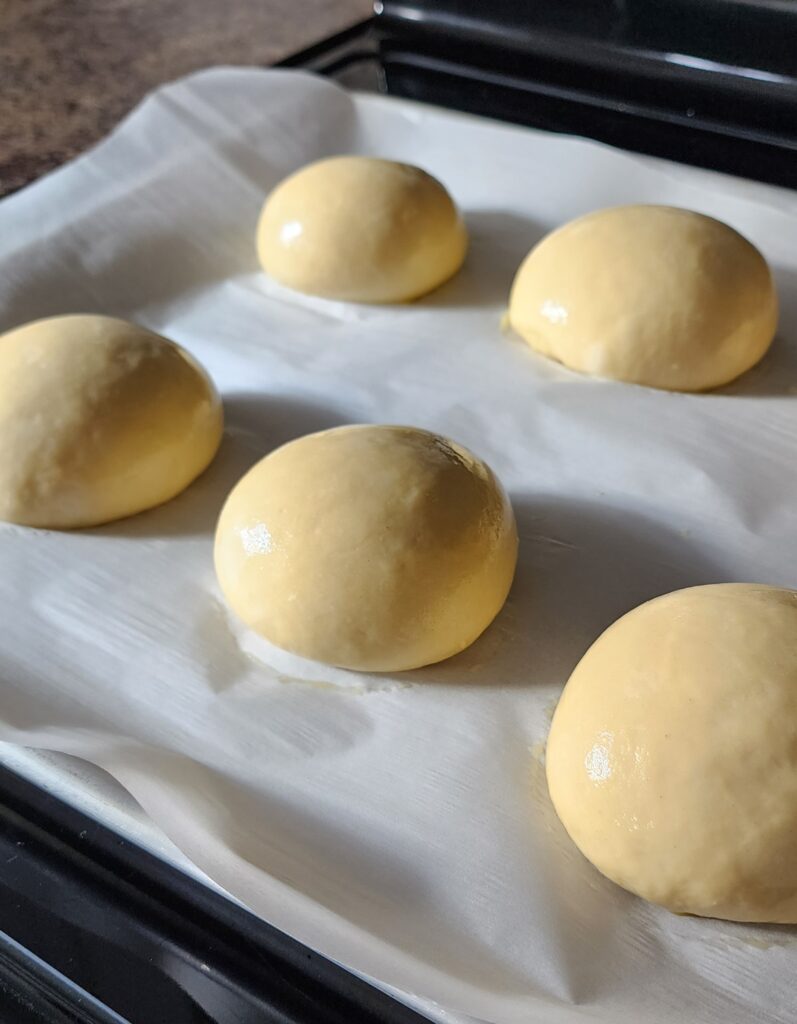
<point x="398" y="824"/>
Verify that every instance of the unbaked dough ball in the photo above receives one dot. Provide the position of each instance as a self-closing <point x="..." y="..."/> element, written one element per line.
<point x="672" y="757"/>
<point x="99" y="419"/>
<point x="368" y="547"/>
<point x="361" y="229"/>
<point x="648" y="294"/>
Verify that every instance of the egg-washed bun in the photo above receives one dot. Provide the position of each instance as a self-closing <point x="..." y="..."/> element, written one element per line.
<point x="99" y="419"/>
<point x="361" y="229"/>
<point x="368" y="547"/>
<point x="653" y="295"/>
<point x="672" y="756"/>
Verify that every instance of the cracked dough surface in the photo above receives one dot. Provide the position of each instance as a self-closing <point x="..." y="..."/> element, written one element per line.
<point x="369" y="547"/>
<point x="672" y="756"/>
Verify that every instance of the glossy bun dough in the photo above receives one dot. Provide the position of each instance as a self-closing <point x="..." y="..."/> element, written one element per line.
<point x="361" y="229"/>
<point x="648" y="294"/>
<point x="99" y="419"/>
<point x="672" y="757"/>
<point x="369" y="547"/>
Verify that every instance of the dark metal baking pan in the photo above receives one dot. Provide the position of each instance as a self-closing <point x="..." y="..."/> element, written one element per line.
<point x="92" y="927"/>
<point x="711" y="83"/>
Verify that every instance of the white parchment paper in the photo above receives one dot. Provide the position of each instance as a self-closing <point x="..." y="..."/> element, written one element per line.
<point x="398" y="824"/>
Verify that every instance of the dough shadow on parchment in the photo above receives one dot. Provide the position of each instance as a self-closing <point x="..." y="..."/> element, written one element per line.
<point x="277" y="419"/>
<point x="499" y="241"/>
<point x="147" y="272"/>
<point x="581" y="565"/>
<point x="255" y="424"/>
<point x="776" y="374"/>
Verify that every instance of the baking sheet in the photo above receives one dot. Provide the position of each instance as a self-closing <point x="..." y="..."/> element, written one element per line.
<point x="399" y="824"/>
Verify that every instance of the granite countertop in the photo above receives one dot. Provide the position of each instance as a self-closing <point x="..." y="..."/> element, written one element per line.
<point x="70" y="69"/>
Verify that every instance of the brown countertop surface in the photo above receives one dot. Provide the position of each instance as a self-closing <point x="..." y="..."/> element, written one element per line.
<point x="70" y="69"/>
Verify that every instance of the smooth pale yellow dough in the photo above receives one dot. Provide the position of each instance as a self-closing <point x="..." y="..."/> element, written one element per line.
<point x="672" y="757"/>
<point x="653" y="295"/>
<point x="368" y="547"/>
<point x="99" y="419"/>
<point x="361" y="229"/>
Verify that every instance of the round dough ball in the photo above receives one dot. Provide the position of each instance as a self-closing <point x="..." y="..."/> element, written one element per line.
<point x="653" y="295"/>
<point x="99" y="419"/>
<point x="672" y="757"/>
<point x="369" y="547"/>
<point x="362" y="230"/>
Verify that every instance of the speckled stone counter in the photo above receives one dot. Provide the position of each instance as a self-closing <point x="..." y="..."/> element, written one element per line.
<point x="70" y="69"/>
